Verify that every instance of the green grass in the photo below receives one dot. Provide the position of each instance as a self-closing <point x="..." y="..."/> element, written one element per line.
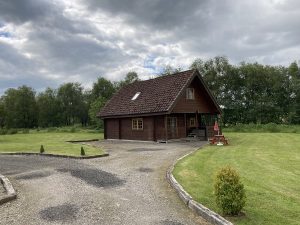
<point x="269" y="166"/>
<point x="263" y="128"/>
<point x="53" y="142"/>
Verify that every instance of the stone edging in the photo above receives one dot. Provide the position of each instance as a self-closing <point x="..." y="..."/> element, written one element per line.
<point x="55" y="155"/>
<point x="198" y="208"/>
<point x="10" y="191"/>
<point x="88" y="140"/>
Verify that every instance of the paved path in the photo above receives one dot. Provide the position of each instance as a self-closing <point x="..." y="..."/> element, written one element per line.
<point x="128" y="187"/>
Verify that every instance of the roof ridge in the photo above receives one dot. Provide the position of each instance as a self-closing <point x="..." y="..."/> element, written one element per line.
<point x="160" y="77"/>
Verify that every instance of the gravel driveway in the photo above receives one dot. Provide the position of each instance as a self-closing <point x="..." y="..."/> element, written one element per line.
<point x="128" y="187"/>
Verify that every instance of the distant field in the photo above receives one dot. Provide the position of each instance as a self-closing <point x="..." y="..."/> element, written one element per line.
<point x="53" y="142"/>
<point x="269" y="165"/>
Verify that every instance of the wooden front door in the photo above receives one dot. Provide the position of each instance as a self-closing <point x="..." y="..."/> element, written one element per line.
<point x="172" y="127"/>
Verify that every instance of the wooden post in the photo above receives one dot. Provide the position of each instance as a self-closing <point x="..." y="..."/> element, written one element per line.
<point x="154" y="128"/>
<point x="185" y="125"/>
<point x="120" y="132"/>
<point x="197" y="125"/>
<point x="105" y="128"/>
<point x="166" y="127"/>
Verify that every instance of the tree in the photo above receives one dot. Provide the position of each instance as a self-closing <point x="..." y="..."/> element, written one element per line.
<point x="50" y="109"/>
<point x="95" y="108"/>
<point x="21" y="107"/>
<point x="294" y="76"/>
<point x="213" y="72"/>
<point x="2" y="113"/>
<point x="129" y="78"/>
<point x="70" y="97"/>
<point x="83" y="112"/>
<point x="168" y="70"/>
<point x="102" y="88"/>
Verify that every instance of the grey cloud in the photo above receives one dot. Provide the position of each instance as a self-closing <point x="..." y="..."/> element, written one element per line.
<point x="167" y="14"/>
<point x="72" y="48"/>
<point x="20" y="11"/>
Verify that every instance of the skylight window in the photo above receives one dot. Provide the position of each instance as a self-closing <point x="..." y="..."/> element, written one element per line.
<point x="136" y="96"/>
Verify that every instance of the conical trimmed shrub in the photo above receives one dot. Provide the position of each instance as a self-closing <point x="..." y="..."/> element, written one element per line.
<point x="82" y="152"/>
<point x="42" y="150"/>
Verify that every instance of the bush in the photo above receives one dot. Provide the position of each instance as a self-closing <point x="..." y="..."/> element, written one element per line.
<point x="272" y="127"/>
<point x="73" y="130"/>
<point x="42" y="150"/>
<point x="12" y="131"/>
<point x="82" y="152"/>
<point x="25" y="131"/>
<point x="52" y="129"/>
<point x="3" y="131"/>
<point x="229" y="191"/>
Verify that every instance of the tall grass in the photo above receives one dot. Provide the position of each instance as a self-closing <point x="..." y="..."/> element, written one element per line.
<point x="263" y="128"/>
<point x="65" y="129"/>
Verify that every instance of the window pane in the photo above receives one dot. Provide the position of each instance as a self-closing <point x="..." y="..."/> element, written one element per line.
<point x="140" y="124"/>
<point x="190" y="93"/>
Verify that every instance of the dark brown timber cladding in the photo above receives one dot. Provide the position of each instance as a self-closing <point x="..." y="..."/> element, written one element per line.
<point x="201" y="103"/>
<point x="160" y="128"/>
<point x="112" y="128"/>
<point x="122" y="129"/>
<point x="128" y="134"/>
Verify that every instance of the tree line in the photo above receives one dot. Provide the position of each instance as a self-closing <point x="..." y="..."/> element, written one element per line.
<point x="247" y="93"/>
<point x="252" y="92"/>
<point x="69" y="104"/>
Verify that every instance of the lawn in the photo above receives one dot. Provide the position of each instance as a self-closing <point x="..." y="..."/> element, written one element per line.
<point x="269" y="165"/>
<point x="53" y="142"/>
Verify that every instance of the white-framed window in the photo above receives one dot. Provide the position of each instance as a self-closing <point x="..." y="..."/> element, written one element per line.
<point x="190" y="93"/>
<point x="137" y="124"/>
<point x="192" y="122"/>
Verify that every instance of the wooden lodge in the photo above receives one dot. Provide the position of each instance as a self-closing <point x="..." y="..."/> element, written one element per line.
<point x="168" y="107"/>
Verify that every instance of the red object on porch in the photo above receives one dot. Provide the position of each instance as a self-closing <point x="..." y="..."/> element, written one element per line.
<point x="216" y="126"/>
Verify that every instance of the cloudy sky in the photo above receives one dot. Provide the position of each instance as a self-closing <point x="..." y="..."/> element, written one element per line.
<point x="49" y="42"/>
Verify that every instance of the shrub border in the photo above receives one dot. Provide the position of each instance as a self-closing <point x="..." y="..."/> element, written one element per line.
<point x="55" y="155"/>
<point x="198" y="208"/>
<point x="10" y="191"/>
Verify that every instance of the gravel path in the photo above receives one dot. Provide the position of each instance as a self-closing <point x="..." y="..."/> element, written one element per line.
<point x="128" y="187"/>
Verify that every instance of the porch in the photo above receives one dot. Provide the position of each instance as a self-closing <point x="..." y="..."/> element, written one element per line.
<point x="199" y="126"/>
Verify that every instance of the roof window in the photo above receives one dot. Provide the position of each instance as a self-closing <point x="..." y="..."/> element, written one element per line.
<point x="136" y="96"/>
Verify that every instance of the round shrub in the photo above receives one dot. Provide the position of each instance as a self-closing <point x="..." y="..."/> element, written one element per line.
<point x="229" y="191"/>
<point x="82" y="152"/>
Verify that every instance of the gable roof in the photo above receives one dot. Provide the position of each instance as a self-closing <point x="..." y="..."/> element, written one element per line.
<point x="157" y="96"/>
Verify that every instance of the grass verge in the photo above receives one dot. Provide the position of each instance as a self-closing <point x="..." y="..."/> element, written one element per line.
<point x="269" y="165"/>
<point x="54" y="143"/>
